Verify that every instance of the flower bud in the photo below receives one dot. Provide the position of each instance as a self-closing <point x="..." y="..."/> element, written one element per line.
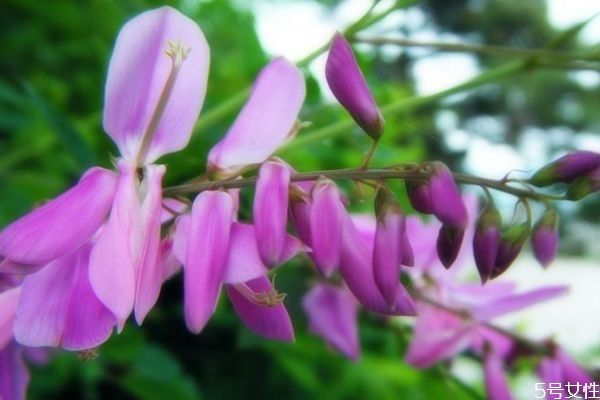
<point x="348" y="85"/>
<point x="511" y="243"/>
<point x="486" y="241"/>
<point x="544" y="239"/>
<point x="418" y="194"/>
<point x="449" y="241"/>
<point x="584" y="185"/>
<point x="446" y="201"/>
<point x="567" y="168"/>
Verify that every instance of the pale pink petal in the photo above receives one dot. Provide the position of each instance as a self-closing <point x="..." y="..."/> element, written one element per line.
<point x="516" y="302"/>
<point x="326" y="219"/>
<point x="495" y="380"/>
<point x="113" y="262"/>
<point x="63" y="224"/>
<point x="170" y="264"/>
<point x="333" y="314"/>
<point x="180" y="237"/>
<point x="271" y="322"/>
<point x="171" y="208"/>
<point x="8" y="306"/>
<point x="151" y="271"/>
<point x="14" y="376"/>
<point x="206" y="256"/>
<point x="270" y="211"/>
<point x="89" y="323"/>
<point x="266" y="120"/>
<point x="137" y="74"/>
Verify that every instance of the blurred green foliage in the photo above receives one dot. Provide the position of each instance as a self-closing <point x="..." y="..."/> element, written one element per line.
<point x="52" y="69"/>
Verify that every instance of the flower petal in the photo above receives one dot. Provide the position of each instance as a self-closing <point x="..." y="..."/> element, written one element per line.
<point x="333" y="314"/>
<point x="206" y="256"/>
<point x="357" y="271"/>
<point x="243" y="261"/>
<point x="387" y="255"/>
<point x="151" y="271"/>
<point x="137" y="74"/>
<point x="63" y="224"/>
<point x="326" y="219"/>
<point x="266" y="120"/>
<point x="495" y="380"/>
<point x="113" y="261"/>
<point x="516" y="302"/>
<point x="14" y="376"/>
<point x="271" y="322"/>
<point x="270" y="211"/>
<point x="8" y="306"/>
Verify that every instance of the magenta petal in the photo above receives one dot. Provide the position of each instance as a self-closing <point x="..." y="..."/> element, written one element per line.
<point x="495" y="381"/>
<point x="8" y="306"/>
<point x="357" y="271"/>
<point x="59" y="308"/>
<point x="151" y="271"/>
<point x="271" y="322"/>
<point x="14" y="376"/>
<point x="387" y="255"/>
<point x="270" y="211"/>
<point x="243" y="261"/>
<point x="266" y="120"/>
<point x="446" y="200"/>
<point x="89" y="323"/>
<point x="206" y="256"/>
<point x="326" y="219"/>
<point x="348" y="85"/>
<point x="544" y="242"/>
<point x="515" y="302"/>
<point x="572" y="371"/>
<point x="137" y="74"/>
<point x="63" y="224"/>
<point x="332" y="313"/>
<point x="114" y="259"/>
<point x="437" y="336"/>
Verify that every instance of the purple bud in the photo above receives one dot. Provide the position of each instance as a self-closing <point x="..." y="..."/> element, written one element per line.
<point x="418" y="194"/>
<point x="544" y="239"/>
<point x="511" y="243"/>
<point x="446" y="201"/>
<point x="349" y="87"/>
<point x="449" y="242"/>
<point x="270" y="210"/>
<point x="584" y="185"/>
<point x="567" y="168"/>
<point x="486" y="241"/>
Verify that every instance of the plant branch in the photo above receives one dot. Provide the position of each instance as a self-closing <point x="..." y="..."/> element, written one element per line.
<point x="362" y="174"/>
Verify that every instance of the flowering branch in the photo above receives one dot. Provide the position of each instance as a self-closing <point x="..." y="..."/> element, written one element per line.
<point x="408" y="172"/>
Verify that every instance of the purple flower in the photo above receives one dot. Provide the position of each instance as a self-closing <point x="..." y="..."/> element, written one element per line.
<point x="446" y="201"/>
<point x="271" y="210"/>
<point x="567" y="168"/>
<point x="449" y="243"/>
<point x="348" y="85"/>
<point x="544" y="239"/>
<point x="511" y="243"/>
<point x="332" y="314"/>
<point x="559" y="368"/>
<point x="495" y="380"/>
<point x="418" y="194"/>
<point x="486" y="241"/>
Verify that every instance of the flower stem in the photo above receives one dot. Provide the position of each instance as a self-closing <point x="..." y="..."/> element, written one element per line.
<point x="362" y="174"/>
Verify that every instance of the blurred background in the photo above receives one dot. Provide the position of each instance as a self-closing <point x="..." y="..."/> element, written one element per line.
<point x="53" y="64"/>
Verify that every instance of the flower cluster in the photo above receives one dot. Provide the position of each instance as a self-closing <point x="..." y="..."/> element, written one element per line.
<point x="76" y="268"/>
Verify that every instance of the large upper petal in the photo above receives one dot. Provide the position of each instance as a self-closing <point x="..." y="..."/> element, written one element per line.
<point x="271" y="322"/>
<point x="63" y="224"/>
<point x="137" y="74"/>
<point x="266" y="120"/>
<point x="206" y="256"/>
